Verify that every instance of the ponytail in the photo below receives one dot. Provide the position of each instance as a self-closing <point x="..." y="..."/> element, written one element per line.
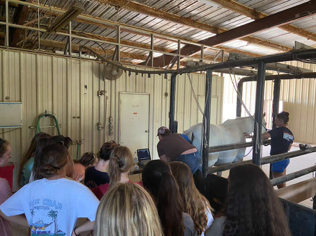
<point x="121" y="161"/>
<point x="159" y="181"/>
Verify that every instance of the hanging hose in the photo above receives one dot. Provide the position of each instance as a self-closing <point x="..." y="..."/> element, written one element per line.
<point x="38" y="128"/>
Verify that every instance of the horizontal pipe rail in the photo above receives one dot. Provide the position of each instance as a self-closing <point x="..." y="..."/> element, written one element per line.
<point x="264" y="160"/>
<point x="109" y="23"/>
<point x="102" y="41"/>
<point x="234" y="146"/>
<point x="293" y="175"/>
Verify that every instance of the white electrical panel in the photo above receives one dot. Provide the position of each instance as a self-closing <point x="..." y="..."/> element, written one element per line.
<point x="10" y="114"/>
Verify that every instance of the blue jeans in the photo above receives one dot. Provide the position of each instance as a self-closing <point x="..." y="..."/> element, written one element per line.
<point x="192" y="160"/>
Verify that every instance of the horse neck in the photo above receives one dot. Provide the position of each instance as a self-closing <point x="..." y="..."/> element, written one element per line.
<point x="244" y="124"/>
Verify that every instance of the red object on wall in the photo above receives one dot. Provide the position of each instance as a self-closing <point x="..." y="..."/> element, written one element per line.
<point x="6" y="172"/>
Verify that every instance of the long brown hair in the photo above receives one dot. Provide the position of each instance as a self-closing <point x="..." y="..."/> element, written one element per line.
<point x="252" y="207"/>
<point x="31" y="152"/>
<point x="127" y="209"/>
<point x="53" y="158"/>
<point x="121" y="161"/>
<point x="41" y="144"/>
<point x="160" y="183"/>
<point x="4" y="144"/>
<point x="195" y="204"/>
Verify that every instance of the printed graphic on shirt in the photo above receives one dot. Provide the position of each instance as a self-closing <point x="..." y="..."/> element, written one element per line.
<point x="44" y="217"/>
<point x="288" y="137"/>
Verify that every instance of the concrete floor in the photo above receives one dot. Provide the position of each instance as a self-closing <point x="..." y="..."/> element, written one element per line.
<point x="296" y="164"/>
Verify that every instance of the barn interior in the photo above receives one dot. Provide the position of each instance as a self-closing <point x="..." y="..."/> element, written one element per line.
<point x="101" y="70"/>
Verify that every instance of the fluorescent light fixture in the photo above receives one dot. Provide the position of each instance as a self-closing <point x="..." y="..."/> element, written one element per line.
<point x="68" y="16"/>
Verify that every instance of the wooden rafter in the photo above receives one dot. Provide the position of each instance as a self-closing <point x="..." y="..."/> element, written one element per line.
<point x="108" y="24"/>
<point x="143" y="9"/>
<point x="19" y="18"/>
<point x="253" y="14"/>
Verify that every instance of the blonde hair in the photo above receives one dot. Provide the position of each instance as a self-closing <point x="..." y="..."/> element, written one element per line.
<point x="127" y="209"/>
<point x="195" y="204"/>
<point x="121" y="161"/>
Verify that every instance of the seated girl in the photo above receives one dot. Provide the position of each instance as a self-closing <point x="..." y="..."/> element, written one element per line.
<point x="5" y="191"/>
<point x="195" y="204"/>
<point x="97" y="175"/>
<point x="87" y="160"/>
<point x="127" y="209"/>
<point x="121" y="162"/>
<point x="251" y="208"/>
<point x="52" y="204"/>
<point x="26" y="165"/>
<point x="162" y="186"/>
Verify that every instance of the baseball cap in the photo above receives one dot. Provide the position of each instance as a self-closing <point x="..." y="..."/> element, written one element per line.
<point x="162" y="130"/>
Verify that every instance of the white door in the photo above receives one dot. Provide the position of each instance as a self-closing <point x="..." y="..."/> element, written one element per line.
<point x="134" y="121"/>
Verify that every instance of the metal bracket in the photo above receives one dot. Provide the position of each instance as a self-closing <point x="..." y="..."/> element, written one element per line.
<point x="101" y="93"/>
<point x="100" y="126"/>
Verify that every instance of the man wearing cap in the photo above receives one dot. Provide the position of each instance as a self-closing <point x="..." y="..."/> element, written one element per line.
<point x="173" y="147"/>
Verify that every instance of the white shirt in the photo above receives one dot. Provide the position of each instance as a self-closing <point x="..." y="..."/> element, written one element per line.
<point x="52" y="206"/>
<point x="210" y="220"/>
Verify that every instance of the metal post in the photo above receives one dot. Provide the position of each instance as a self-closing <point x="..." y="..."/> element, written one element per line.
<point x="240" y="91"/>
<point x="275" y="109"/>
<point x="179" y="53"/>
<point x="152" y="50"/>
<point x="70" y="38"/>
<point x="7" y="23"/>
<point x="38" y="26"/>
<point x="276" y="100"/>
<point x="202" y="53"/>
<point x="118" y="40"/>
<point x="172" y="101"/>
<point x="207" y="122"/>
<point x="258" y="114"/>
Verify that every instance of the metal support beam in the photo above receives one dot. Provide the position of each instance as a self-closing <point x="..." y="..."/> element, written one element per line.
<point x="264" y="160"/>
<point x="172" y="101"/>
<point x="70" y="38"/>
<point x="152" y="50"/>
<point x="240" y="91"/>
<point x="293" y="175"/>
<point x="207" y="122"/>
<point x="277" y="19"/>
<point x="276" y="100"/>
<point x="258" y="114"/>
<point x="7" y="23"/>
<point x="118" y="41"/>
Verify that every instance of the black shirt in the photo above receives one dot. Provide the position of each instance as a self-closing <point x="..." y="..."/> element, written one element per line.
<point x="94" y="178"/>
<point x="281" y="139"/>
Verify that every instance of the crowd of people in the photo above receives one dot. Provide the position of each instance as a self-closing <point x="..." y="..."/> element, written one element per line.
<point x="55" y="192"/>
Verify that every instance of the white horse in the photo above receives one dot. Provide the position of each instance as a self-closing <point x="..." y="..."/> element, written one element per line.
<point x="230" y="132"/>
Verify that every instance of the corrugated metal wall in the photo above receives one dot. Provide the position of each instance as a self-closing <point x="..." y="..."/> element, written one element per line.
<point x="296" y="96"/>
<point x="68" y="88"/>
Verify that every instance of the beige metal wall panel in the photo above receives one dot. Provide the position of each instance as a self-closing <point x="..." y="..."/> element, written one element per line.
<point x="299" y="100"/>
<point x="68" y="88"/>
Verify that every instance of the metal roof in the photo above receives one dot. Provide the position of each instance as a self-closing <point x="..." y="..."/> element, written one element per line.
<point x="203" y="11"/>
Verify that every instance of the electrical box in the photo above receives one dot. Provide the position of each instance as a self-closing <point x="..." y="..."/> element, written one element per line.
<point x="10" y="114"/>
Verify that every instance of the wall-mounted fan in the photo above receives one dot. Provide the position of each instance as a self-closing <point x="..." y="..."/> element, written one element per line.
<point x="112" y="72"/>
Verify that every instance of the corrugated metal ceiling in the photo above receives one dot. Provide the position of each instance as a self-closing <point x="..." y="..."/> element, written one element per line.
<point x="204" y="11"/>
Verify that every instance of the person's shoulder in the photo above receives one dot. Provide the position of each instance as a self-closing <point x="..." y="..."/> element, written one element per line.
<point x="4" y="184"/>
